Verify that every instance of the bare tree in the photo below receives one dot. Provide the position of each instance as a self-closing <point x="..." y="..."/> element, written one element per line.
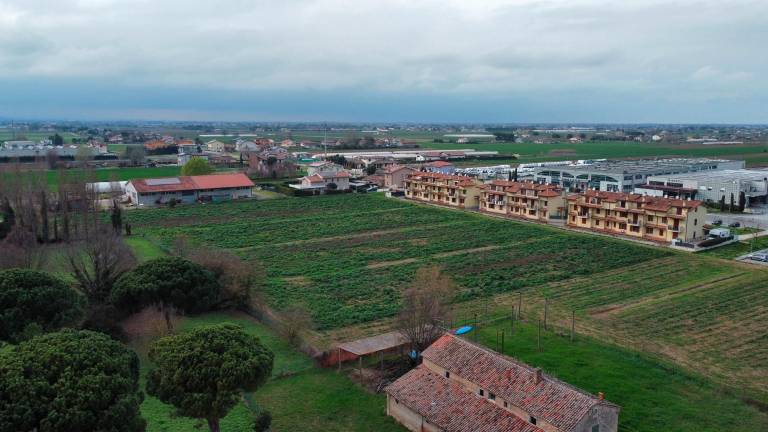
<point x="98" y="261"/>
<point x="425" y="307"/>
<point x="296" y="319"/>
<point x="241" y="281"/>
<point x="20" y="249"/>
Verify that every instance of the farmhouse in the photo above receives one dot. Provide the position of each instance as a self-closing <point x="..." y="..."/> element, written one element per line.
<point x="462" y="387"/>
<point x="443" y="189"/>
<point x="527" y="200"/>
<point x="220" y="147"/>
<point x="322" y="181"/>
<point x="645" y="217"/>
<point x="188" y="189"/>
<point x="395" y="175"/>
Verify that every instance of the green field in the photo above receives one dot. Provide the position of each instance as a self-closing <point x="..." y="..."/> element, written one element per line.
<point x="6" y="135"/>
<point x="653" y="395"/>
<point x="299" y="396"/>
<point x="119" y="174"/>
<point x="347" y="258"/>
<point x="738" y="249"/>
<point x="754" y="154"/>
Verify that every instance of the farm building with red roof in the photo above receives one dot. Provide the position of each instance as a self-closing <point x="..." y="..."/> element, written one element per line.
<point x="462" y="387"/>
<point x="188" y="189"/>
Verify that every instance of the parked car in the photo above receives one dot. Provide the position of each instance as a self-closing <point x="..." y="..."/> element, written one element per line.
<point x="717" y="222"/>
<point x="734" y="225"/>
<point x="762" y="257"/>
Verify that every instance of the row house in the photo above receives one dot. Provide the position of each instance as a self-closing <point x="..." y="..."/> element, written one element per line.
<point x="641" y="216"/>
<point x="462" y="387"/>
<point x="526" y="200"/>
<point x="443" y="189"/>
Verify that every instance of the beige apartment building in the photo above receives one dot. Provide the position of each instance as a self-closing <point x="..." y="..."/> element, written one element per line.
<point x="443" y="189"/>
<point x="462" y="387"/>
<point x="526" y="200"/>
<point x="645" y="217"/>
<point x="395" y="176"/>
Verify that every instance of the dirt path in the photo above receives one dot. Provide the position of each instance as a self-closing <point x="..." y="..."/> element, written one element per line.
<point x="381" y="264"/>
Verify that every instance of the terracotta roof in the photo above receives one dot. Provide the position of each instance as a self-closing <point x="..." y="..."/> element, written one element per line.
<point x="439" y="164"/>
<point x="551" y="400"/>
<point x="544" y="190"/>
<point x="222" y="181"/>
<point x="452" y="408"/>
<point x="647" y="202"/>
<point x="395" y="168"/>
<point x="185" y="183"/>
<point x="463" y="180"/>
<point x="315" y="178"/>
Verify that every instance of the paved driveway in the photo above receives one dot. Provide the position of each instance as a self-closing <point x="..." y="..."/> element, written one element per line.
<point x="758" y="219"/>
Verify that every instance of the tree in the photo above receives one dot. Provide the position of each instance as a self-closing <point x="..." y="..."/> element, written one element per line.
<point x="370" y="169"/>
<point x="169" y="283"/>
<point x="116" y="217"/>
<point x="722" y="203"/>
<point x="98" y="261"/>
<point x="203" y="372"/>
<point x="8" y="218"/>
<point x="296" y="319"/>
<point x="135" y="153"/>
<point x="70" y="381"/>
<point x="425" y="307"/>
<point x="732" y="207"/>
<point x="57" y="140"/>
<point x="742" y="201"/>
<point x="196" y="166"/>
<point x="32" y="302"/>
<point x="240" y="280"/>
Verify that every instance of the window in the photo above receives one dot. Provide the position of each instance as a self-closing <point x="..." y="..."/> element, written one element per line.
<point x="596" y="428"/>
<point x="695" y="222"/>
<point x="447" y="374"/>
<point x="481" y="392"/>
<point x="491" y="396"/>
<point x="506" y="405"/>
<point x="532" y="420"/>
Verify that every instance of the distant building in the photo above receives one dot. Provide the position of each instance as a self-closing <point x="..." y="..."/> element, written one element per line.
<point x="443" y="189"/>
<point x="462" y="387"/>
<point x="246" y="146"/>
<point x="525" y="200"/>
<point x="395" y="176"/>
<point x="625" y="175"/>
<point x="323" y="167"/>
<point x="189" y="189"/>
<point x="442" y="167"/>
<point x="638" y="216"/>
<point x="220" y="147"/>
<point x="322" y="182"/>
<point x="713" y="186"/>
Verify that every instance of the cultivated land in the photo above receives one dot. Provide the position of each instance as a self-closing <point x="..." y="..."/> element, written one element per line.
<point x="347" y="259"/>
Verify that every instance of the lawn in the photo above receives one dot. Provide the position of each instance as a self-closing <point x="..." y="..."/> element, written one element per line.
<point x="299" y="396"/>
<point x="654" y="395"/>
<point x="120" y="174"/>
<point x="738" y="249"/>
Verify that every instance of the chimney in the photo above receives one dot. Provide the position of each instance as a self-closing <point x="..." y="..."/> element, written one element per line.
<point x="509" y="374"/>
<point x="537" y="375"/>
<point x="601" y="395"/>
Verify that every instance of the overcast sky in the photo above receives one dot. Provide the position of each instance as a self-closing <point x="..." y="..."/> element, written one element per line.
<point x="386" y="60"/>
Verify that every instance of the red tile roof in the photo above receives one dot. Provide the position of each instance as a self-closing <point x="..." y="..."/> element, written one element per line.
<point x="551" y="400"/>
<point x="395" y="168"/>
<point x="452" y="408"/>
<point x="439" y="164"/>
<point x="544" y="190"/>
<point x="463" y="180"/>
<point x="186" y="183"/>
<point x="646" y="202"/>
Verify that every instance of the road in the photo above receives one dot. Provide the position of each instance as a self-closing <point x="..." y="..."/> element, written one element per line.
<point x="758" y="219"/>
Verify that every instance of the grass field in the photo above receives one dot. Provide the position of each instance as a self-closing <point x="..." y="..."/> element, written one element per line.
<point x="754" y="154"/>
<point x="119" y="174"/>
<point x="347" y="259"/>
<point x="738" y="249"/>
<point x="654" y="396"/>
<point x="357" y="252"/>
<point x="6" y="135"/>
<point x="299" y="396"/>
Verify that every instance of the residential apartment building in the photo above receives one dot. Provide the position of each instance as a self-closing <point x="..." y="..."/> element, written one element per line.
<point x="645" y="217"/>
<point x="395" y="176"/>
<point x="444" y="189"/>
<point x="462" y="387"/>
<point x="526" y="200"/>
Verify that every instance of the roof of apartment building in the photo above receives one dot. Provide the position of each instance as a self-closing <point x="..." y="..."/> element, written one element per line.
<point x="320" y="177"/>
<point x="185" y="183"/>
<point x="648" y="202"/>
<point x="452" y="408"/>
<point x="540" y="395"/>
<point x="545" y="190"/>
<point x="463" y="180"/>
<point x="395" y="168"/>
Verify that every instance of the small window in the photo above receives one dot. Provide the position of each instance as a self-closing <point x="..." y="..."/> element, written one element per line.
<point x="447" y="374"/>
<point x="481" y="392"/>
<point x="506" y="405"/>
<point x="491" y="396"/>
<point x="532" y="420"/>
<point x="596" y="428"/>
